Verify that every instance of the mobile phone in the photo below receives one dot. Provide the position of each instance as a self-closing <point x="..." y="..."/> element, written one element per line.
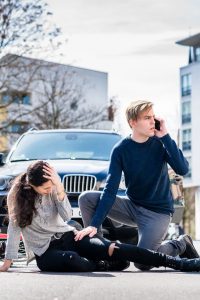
<point x="157" y="124"/>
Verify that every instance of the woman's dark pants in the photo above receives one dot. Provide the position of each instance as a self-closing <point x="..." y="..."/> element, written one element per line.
<point x="67" y="255"/>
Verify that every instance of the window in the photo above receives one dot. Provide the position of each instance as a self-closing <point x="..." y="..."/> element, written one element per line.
<point x="197" y="54"/>
<point x="16" y="97"/>
<point x="186" y="139"/>
<point x="189" y="174"/>
<point x="186" y="84"/>
<point x="66" y="145"/>
<point x="186" y="112"/>
<point x="18" y="127"/>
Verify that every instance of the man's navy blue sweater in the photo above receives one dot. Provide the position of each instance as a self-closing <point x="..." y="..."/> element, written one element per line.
<point x="146" y="175"/>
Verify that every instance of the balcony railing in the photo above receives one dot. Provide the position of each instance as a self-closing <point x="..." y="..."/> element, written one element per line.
<point x="186" y="118"/>
<point x="186" y="145"/>
<point x="186" y="91"/>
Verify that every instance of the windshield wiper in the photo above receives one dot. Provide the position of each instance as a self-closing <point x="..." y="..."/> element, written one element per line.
<point x="24" y="159"/>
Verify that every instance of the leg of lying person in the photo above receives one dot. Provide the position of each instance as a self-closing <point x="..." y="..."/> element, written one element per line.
<point x="54" y="260"/>
<point x="60" y="257"/>
<point x="103" y="249"/>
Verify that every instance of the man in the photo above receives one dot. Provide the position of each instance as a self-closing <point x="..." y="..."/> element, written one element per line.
<point x="143" y="158"/>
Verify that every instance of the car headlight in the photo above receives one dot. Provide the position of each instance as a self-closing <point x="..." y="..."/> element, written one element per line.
<point x="5" y="182"/>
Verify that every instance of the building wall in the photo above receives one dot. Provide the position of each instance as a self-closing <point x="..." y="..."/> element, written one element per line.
<point x="189" y="131"/>
<point x="93" y="85"/>
<point x="192" y="182"/>
<point x="194" y="100"/>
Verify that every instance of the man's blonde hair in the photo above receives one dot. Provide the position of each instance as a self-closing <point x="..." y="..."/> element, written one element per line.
<point x="135" y="108"/>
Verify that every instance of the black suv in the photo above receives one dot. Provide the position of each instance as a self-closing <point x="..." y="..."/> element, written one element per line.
<point x="81" y="158"/>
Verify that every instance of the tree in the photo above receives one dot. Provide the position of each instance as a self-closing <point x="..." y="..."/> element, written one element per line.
<point x="16" y="77"/>
<point x="24" y="24"/>
<point x="62" y="101"/>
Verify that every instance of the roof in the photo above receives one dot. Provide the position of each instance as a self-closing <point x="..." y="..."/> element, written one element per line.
<point x="9" y="57"/>
<point x="191" y="41"/>
<point x="73" y="130"/>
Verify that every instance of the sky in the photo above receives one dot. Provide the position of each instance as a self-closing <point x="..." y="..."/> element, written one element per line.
<point x="134" y="42"/>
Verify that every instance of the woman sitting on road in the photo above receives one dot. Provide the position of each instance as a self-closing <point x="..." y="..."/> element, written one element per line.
<point x="39" y="208"/>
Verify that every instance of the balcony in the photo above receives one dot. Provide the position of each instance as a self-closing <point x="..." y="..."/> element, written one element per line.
<point x="186" y="91"/>
<point x="186" y="118"/>
<point x="186" y="145"/>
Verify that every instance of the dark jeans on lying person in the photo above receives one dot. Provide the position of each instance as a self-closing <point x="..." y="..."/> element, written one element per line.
<point x="65" y="254"/>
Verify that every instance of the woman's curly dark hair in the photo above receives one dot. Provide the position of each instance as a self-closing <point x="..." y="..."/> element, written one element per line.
<point x="25" y="196"/>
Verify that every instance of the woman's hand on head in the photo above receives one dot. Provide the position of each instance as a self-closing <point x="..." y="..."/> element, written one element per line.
<point x="6" y="265"/>
<point x="90" y="230"/>
<point x="51" y="174"/>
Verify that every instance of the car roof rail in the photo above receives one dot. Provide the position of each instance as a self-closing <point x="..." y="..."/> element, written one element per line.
<point x="32" y="129"/>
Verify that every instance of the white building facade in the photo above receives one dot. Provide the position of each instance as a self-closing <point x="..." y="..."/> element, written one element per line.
<point x="190" y="119"/>
<point x="28" y="82"/>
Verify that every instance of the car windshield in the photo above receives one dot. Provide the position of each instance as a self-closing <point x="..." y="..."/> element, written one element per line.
<point x="65" y="145"/>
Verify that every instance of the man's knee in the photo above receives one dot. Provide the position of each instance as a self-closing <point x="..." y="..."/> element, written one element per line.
<point x="87" y="199"/>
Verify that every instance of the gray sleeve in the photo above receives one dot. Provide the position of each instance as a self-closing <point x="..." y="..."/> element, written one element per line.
<point x="64" y="207"/>
<point x="13" y="240"/>
<point x="14" y="231"/>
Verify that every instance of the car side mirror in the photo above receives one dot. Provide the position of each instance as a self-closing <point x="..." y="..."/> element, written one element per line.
<point x="1" y="159"/>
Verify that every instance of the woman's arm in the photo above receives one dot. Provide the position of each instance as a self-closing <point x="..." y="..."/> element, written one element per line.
<point x="6" y="265"/>
<point x="63" y="206"/>
<point x="51" y="174"/>
<point x="58" y="194"/>
<point x="14" y="230"/>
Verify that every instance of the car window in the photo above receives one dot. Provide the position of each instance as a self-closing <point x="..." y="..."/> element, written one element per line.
<point x="62" y="145"/>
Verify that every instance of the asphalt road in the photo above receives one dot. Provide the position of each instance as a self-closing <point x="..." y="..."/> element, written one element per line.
<point x="26" y="283"/>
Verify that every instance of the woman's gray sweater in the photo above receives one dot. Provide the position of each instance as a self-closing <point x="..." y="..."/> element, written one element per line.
<point x="50" y="219"/>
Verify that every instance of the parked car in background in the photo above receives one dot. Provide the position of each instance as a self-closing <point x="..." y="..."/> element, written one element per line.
<point x="81" y="158"/>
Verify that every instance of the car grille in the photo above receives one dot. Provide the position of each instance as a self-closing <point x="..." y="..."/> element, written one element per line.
<point x="79" y="183"/>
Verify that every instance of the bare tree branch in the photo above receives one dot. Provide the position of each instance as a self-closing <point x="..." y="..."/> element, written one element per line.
<point x="64" y="105"/>
<point x="23" y="24"/>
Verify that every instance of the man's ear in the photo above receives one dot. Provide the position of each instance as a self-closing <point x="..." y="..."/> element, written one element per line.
<point x="132" y="123"/>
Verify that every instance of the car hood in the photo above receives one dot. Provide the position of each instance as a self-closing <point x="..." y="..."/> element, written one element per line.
<point x="94" y="167"/>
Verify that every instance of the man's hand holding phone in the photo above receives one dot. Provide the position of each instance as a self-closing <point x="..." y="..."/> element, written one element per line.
<point x="160" y="128"/>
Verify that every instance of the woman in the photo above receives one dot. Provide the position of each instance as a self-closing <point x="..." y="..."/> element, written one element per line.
<point x="39" y="208"/>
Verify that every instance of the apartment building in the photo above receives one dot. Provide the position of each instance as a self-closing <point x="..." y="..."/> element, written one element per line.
<point x="190" y="119"/>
